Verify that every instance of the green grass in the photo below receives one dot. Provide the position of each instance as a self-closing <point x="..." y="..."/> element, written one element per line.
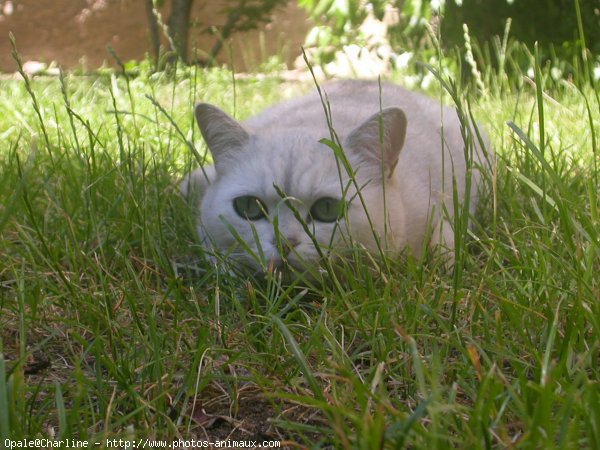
<point x="113" y="326"/>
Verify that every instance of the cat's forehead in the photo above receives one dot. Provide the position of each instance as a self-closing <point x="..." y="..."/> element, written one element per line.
<point x="298" y="165"/>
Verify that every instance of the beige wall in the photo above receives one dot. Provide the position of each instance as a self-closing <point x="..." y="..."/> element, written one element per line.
<point x="76" y="32"/>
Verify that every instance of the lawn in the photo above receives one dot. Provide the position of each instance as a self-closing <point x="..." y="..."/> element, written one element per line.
<point x="113" y="325"/>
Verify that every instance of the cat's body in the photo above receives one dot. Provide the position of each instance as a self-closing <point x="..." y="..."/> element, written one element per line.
<point x="281" y="147"/>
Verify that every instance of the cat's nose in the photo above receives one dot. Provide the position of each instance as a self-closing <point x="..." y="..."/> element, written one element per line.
<point x="288" y="244"/>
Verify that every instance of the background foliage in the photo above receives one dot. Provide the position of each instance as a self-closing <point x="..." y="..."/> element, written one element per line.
<point x="566" y="31"/>
<point x="552" y="23"/>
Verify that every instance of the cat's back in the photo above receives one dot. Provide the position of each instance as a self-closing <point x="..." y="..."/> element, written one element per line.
<point x="350" y="102"/>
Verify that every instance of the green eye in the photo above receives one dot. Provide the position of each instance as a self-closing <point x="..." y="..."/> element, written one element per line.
<point x="327" y="209"/>
<point x="249" y="207"/>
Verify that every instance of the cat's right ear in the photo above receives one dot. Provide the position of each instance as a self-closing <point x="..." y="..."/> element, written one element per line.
<point x="223" y="134"/>
<point x="379" y="139"/>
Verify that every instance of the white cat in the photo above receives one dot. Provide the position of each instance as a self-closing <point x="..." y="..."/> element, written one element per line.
<point x="277" y="197"/>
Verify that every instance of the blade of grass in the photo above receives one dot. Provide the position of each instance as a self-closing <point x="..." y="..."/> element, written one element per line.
<point x="300" y="358"/>
<point x="4" y="407"/>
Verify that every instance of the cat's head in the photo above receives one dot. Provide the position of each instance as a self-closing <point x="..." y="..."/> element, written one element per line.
<point x="281" y="198"/>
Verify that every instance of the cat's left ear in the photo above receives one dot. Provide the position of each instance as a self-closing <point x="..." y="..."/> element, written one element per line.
<point x="379" y="139"/>
<point x="224" y="135"/>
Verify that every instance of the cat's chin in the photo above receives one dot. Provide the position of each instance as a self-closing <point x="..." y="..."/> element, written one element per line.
<point x="290" y="270"/>
<point x="289" y="276"/>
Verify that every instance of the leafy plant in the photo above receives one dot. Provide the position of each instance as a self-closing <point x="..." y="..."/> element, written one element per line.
<point x="567" y="33"/>
<point x="339" y="23"/>
<point x="241" y="15"/>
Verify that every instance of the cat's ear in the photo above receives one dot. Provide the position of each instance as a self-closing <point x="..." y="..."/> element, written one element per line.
<point x="223" y="134"/>
<point x="379" y="139"/>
